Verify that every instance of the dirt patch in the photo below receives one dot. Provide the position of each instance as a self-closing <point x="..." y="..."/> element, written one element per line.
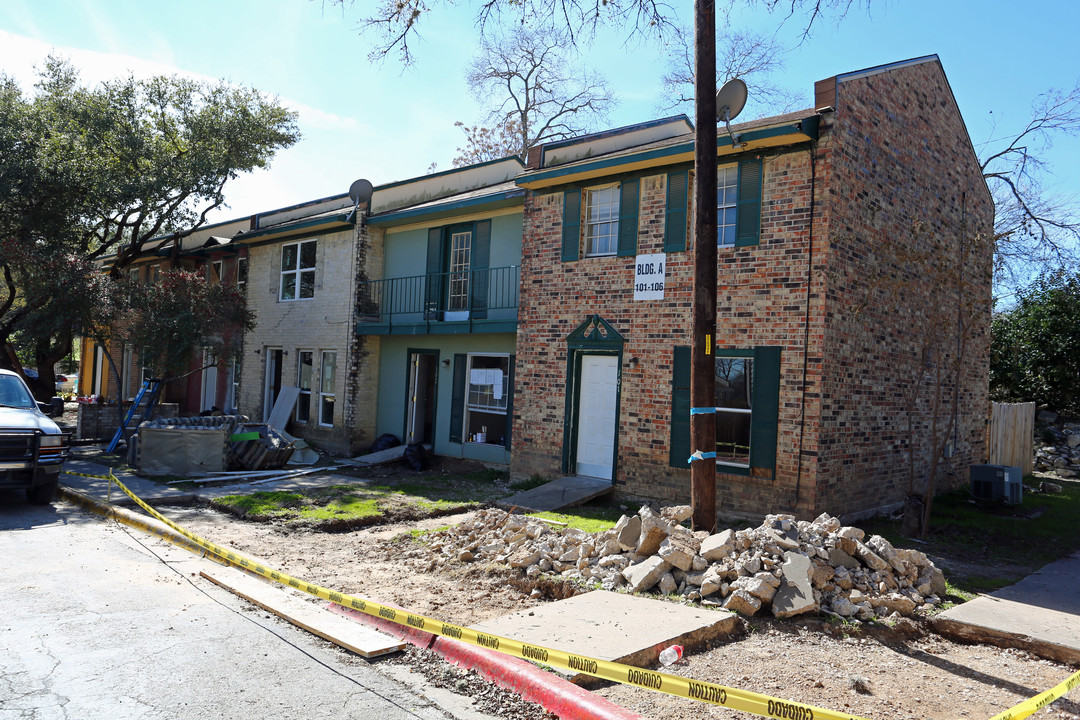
<point x="871" y="671"/>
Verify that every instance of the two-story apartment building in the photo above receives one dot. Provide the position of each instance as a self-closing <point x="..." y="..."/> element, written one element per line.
<point x="211" y="383"/>
<point x="811" y="206"/>
<point x="396" y="315"/>
<point x="441" y="312"/>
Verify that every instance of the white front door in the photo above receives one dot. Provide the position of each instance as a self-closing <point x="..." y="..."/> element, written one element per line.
<point x="596" y="415"/>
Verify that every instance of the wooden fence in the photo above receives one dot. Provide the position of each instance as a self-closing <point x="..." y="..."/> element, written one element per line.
<point x="1012" y="426"/>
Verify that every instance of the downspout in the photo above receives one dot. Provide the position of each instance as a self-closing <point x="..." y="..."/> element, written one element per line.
<point x="806" y="322"/>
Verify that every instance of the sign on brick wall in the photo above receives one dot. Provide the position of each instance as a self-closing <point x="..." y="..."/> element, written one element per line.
<point x="649" y="277"/>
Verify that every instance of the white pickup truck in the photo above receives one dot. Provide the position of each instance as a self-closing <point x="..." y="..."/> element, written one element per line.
<point x="32" y="448"/>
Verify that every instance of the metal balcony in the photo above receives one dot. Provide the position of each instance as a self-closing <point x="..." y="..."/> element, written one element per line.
<point x="450" y="302"/>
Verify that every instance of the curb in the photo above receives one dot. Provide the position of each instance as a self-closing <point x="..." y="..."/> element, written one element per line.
<point x="127" y="517"/>
<point x="555" y="694"/>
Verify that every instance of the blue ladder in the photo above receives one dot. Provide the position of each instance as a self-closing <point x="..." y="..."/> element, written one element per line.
<point x="151" y="385"/>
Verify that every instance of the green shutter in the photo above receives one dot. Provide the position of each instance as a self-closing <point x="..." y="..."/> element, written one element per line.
<point x="679" y="443"/>
<point x="766" y="405"/>
<point x="434" y="281"/>
<point x="675" y="213"/>
<point x="748" y="210"/>
<point x="510" y="402"/>
<point x="571" y="225"/>
<point x="457" y="401"/>
<point x="629" y="192"/>
<point x="478" y="264"/>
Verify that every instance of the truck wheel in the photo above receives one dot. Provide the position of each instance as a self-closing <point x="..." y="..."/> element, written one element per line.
<point x="42" y="494"/>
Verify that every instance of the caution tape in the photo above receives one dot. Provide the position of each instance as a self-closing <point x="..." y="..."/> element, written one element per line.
<point x="677" y="685"/>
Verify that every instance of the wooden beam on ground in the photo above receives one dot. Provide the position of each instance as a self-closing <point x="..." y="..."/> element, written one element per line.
<point x="359" y="639"/>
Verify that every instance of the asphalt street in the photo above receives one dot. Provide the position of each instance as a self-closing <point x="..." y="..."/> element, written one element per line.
<point x="100" y="621"/>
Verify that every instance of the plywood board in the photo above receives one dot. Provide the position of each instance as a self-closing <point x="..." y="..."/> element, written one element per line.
<point x="360" y="639"/>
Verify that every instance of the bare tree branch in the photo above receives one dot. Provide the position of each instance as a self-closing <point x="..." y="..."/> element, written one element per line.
<point x="536" y="91"/>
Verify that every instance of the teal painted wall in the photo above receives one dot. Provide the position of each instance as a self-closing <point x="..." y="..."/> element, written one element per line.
<point x="406" y="251"/>
<point x="393" y="360"/>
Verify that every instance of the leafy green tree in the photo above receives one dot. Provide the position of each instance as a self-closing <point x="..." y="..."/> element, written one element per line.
<point x="89" y="172"/>
<point x="1035" y="351"/>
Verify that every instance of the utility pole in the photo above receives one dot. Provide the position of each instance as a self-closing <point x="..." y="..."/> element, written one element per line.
<point x="702" y="365"/>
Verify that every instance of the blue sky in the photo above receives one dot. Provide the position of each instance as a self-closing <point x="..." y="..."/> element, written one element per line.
<point x="385" y="124"/>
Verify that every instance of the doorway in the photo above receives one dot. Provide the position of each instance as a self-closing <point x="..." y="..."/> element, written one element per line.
<point x="273" y="380"/>
<point x="420" y="409"/>
<point x="596" y="416"/>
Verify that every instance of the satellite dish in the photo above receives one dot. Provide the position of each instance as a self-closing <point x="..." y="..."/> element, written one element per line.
<point x="360" y="192"/>
<point x="730" y="101"/>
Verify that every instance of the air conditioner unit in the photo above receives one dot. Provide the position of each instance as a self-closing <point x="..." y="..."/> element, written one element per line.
<point x="997" y="483"/>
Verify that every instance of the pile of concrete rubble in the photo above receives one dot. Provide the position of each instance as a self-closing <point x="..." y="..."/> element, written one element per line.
<point x="786" y="566"/>
<point x="1061" y="456"/>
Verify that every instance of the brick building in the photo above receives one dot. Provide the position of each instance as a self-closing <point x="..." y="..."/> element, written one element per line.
<point x="835" y="224"/>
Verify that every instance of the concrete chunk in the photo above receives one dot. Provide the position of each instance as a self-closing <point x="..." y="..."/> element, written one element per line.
<point x="718" y="546"/>
<point x="645" y="574"/>
<point x="653" y="531"/>
<point x="628" y="531"/>
<point x="796" y="594"/>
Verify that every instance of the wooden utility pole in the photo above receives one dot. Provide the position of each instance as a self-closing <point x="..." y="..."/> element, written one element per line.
<point x="702" y="367"/>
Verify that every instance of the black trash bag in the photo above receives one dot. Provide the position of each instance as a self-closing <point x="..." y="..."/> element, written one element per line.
<point x="385" y="442"/>
<point x="416" y="456"/>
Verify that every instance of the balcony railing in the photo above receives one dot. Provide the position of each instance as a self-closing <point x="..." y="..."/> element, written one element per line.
<point x="419" y="301"/>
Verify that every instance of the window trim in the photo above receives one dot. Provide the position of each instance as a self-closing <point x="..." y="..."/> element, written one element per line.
<point x="614" y="219"/>
<point x="738" y="355"/>
<point x="469" y="408"/>
<point x="734" y="205"/>
<point x="322" y="384"/>
<point x="297" y="271"/>
<point x="303" y="399"/>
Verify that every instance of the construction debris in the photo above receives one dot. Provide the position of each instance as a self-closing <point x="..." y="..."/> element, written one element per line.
<point x="785" y="566"/>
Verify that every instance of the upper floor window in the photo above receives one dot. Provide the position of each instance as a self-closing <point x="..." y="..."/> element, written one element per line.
<point x="298" y="270"/>
<point x="601" y="220"/>
<point x="241" y="274"/>
<point x="727" y="186"/>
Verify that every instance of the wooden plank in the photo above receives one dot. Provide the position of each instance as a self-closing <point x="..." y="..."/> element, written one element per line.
<point x="360" y="639"/>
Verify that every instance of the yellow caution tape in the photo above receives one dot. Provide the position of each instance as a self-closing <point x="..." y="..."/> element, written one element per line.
<point x="1018" y="712"/>
<point x="676" y="685"/>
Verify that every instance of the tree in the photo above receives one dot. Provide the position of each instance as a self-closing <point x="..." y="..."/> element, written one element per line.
<point x="176" y="317"/>
<point x="396" y="22"/>
<point x="752" y="57"/>
<point x="543" y="94"/>
<point x="92" y="172"/>
<point x="1037" y="230"/>
<point x="1035" y="352"/>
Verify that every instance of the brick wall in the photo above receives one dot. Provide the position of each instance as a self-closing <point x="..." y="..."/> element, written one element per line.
<point x="325" y="322"/>
<point x="894" y="152"/>
<point x="761" y="300"/>
<point x="904" y="194"/>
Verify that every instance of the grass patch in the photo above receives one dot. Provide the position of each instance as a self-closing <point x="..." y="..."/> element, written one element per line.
<point x="992" y="544"/>
<point x="342" y="507"/>
<point x="529" y="483"/>
<point x="590" y="518"/>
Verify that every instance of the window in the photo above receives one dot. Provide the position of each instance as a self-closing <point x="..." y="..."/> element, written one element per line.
<point x="727" y="185"/>
<point x="747" y="409"/>
<point x="305" y="360"/>
<point x="154" y="274"/>
<point x="298" y="270"/>
<point x="601" y="221"/>
<point x="327" y="379"/>
<point x="241" y="274"/>
<point x="215" y="271"/>
<point x="734" y="393"/>
<point x="460" y="252"/>
<point x="487" y="398"/>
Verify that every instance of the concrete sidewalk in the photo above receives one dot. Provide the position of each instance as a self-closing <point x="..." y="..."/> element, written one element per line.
<point x="1040" y="614"/>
